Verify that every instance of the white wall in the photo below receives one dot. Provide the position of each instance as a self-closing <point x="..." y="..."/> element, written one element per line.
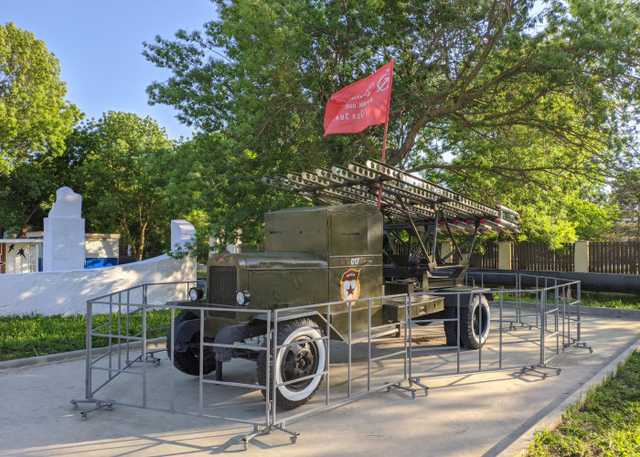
<point x="100" y="246"/>
<point x="66" y="292"/>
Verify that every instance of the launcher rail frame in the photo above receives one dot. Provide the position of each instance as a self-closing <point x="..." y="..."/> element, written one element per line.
<point x="410" y="204"/>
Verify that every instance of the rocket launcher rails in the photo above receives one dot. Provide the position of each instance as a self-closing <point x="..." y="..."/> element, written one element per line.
<point x="402" y="196"/>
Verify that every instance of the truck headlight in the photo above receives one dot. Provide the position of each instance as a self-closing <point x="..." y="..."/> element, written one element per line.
<point x="243" y="297"/>
<point x="195" y="294"/>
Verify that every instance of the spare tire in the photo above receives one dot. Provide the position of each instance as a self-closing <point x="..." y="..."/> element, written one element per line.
<point x="475" y="322"/>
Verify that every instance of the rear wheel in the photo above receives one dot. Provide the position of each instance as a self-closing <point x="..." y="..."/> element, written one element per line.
<point x="302" y="355"/>
<point x="187" y="357"/>
<point x="475" y="323"/>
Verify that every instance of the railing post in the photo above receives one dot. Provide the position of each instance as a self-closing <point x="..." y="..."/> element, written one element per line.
<point x="405" y="341"/>
<point x="542" y="320"/>
<point x="274" y="358"/>
<point x="88" y="387"/>
<point x="579" y="319"/>
<point x="556" y="313"/>
<point x="500" y="349"/>
<point x="110" y="339"/>
<point x="119" y="327"/>
<point x="539" y="298"/>
<point x="567" y="292"/>
<point x="126" y="326"/>
<point x="327" y="398"/>
<point x="171" y="346"/>
<point x="480" y="322"/>
<point x="409" y="336"/>
<point x="267" y="386"/>
<point x="349" y="330"/>
<point x="201" y="365"/>
<point x="458" y="333"/>
<point x="369" y="345"/>
<point x="144" y="355"/>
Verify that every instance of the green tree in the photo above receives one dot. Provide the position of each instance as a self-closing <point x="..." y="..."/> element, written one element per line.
<point x="35" y="120"/>
<point x="28" y="192"/>
<point x="471" y="77"/>
<point x="218" y="190"/>
<point x="123" y="178"/>
<point x="559" y="190"/>
<point x="626" y="193"/>
<point x="34" y="116"/>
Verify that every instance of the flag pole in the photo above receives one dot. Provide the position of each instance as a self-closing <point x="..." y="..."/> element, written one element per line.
<point x="383" y="157"/>
<point x="383" y="152"/>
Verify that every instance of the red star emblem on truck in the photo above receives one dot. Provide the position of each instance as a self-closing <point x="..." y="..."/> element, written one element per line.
<point x="350" y="284"/>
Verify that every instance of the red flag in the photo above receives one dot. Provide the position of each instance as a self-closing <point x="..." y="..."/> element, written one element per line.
<point x="359" y="105"/>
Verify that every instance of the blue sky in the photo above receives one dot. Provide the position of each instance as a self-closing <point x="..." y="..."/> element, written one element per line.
<point x="99" y="45"/>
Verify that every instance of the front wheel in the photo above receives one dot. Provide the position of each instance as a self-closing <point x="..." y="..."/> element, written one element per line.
<point x="186" y="354"/>
<point x="475" y="323"/>
<point x="301" y="355"/>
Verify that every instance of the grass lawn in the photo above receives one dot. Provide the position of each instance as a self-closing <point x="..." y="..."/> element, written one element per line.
<point x="28" y="336"/>
<point x="611" y="300"/>
<point x="607" y="424"/>
<point x="594" y="299"/>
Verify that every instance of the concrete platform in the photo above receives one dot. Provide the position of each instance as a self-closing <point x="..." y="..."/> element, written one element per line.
<point x="472" y="414"/>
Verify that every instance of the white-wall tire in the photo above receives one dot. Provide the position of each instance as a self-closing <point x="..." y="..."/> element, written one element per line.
<point x="314" y="338"/>
<point x="309" y="357"/>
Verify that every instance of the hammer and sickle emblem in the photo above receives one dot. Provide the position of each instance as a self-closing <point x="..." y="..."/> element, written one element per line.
<point x="383" y="83"/>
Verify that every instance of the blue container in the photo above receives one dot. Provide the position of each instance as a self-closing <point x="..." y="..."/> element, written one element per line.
<point x="90" y="263"/>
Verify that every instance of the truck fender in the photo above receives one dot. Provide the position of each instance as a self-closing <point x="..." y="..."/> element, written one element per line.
<point x="231" y="334"/>
<point x="185" y="331"/>
<point x="316" y="316"/>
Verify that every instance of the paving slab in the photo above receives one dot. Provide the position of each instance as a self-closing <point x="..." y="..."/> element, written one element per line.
<point x="473" y="414"/>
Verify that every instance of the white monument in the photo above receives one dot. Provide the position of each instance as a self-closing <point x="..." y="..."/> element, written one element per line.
<point x="64" y="236"/>
<point x="183" y="233"/>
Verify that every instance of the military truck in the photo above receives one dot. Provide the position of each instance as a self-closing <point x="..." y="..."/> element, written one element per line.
<point x="341" y="252"/>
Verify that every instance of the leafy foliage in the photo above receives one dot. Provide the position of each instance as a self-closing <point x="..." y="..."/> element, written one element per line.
<point x="123" y="175"/>
<point x="626" y="193"/>
<point x="35" y="120"/>
<point x="520" y="101"/>
<point x="219" y="190"/>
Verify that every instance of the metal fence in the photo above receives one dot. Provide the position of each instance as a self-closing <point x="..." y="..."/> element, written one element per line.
<point x="399" y="355"/>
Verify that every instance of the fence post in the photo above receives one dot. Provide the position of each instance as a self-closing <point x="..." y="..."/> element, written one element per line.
<point x="542" y="310"/>
<point x="581" y="257"/>
<point x="505" y="255"/>
<point x="88" y="386"/>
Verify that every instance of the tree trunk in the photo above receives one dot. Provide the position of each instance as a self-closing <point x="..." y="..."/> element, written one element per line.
<point x="23" y="231"/>
<point x="142" y="240"/>
<point x="26" y="226"/>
